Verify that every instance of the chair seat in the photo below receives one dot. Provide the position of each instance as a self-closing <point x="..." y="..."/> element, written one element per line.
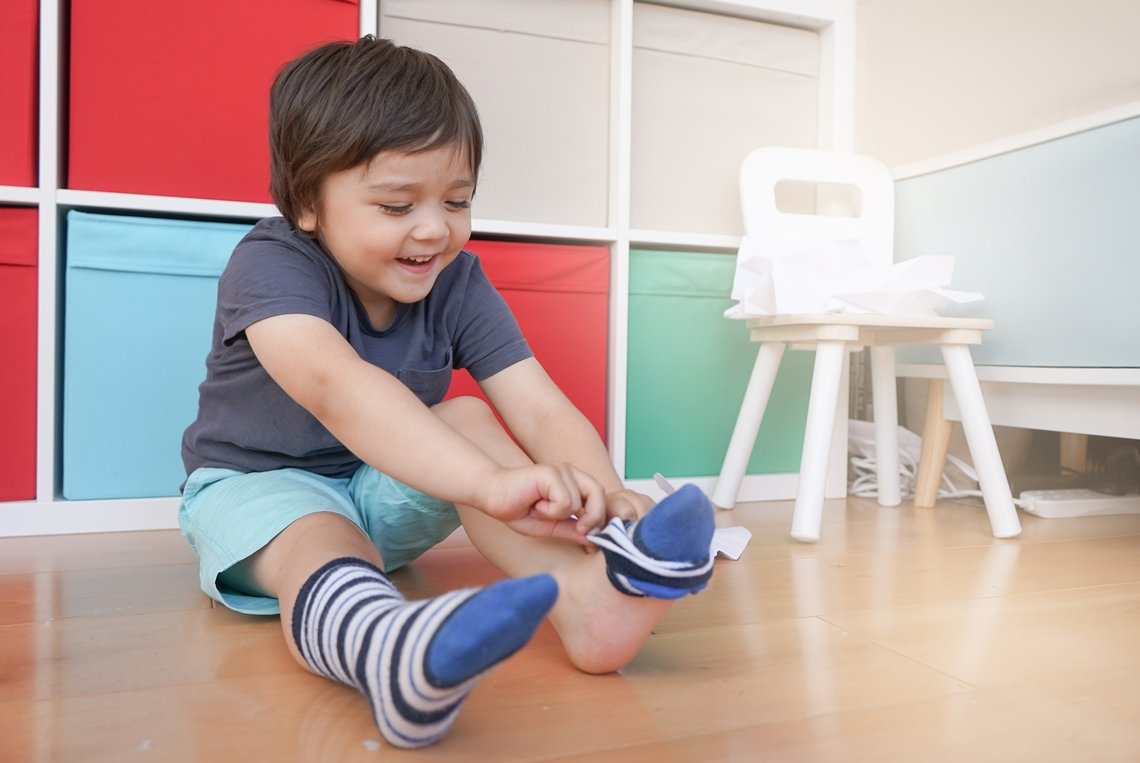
<point x="868" y="330"/>
<point x="872" y="320"/>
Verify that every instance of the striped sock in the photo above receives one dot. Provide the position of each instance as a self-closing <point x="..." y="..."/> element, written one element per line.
<point x="665" y="554"/>
<point x="414" y="661"/>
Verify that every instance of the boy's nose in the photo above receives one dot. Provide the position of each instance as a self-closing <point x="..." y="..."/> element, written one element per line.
<point x="430" y="227"/>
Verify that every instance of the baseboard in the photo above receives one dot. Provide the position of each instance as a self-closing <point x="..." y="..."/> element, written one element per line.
<point x="97" y="516"/>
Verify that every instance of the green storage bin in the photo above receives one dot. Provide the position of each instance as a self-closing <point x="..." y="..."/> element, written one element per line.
<point x="688" y="367"/>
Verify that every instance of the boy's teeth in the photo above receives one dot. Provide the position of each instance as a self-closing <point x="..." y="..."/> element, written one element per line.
<point x="418" y="259"/>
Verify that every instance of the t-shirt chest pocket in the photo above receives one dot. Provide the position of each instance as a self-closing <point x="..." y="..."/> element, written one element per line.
<point x="429" y="385"/>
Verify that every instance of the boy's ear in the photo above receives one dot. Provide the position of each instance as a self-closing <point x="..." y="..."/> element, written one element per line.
<point x="307" y="220"/>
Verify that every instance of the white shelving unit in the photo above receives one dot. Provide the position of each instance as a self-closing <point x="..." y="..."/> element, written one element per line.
<point x="832" y="21"/>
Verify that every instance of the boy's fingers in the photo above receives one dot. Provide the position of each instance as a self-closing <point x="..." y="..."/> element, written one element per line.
<point x="570" y="485"/>
<point x="592" y="515"/>
<point x="563" y="489"/>
<point x="626" y="504"/>
<point x="567" y="529"/>
<point x="538" y="526"/>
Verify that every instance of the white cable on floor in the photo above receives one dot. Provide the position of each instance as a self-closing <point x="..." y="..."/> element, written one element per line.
<point x="865" y="481"/>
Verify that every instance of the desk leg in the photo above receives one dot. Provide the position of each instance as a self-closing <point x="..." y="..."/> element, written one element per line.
<point x="936" y="432"/>
<point x="1074" y="452"/>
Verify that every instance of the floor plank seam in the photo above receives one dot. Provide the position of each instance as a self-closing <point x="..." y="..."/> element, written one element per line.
<point x="909" y="658"/>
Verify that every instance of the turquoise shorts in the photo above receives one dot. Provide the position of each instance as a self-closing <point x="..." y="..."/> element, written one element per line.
<point x="228" y="515"/>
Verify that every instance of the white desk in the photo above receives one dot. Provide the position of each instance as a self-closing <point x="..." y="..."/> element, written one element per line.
<point x="1094" y="401"/>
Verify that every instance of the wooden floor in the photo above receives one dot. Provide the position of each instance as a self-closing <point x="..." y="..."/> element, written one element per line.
<point x="904" y="635"/>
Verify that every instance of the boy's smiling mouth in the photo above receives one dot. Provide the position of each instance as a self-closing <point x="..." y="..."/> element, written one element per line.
<point x="421" y="260"/>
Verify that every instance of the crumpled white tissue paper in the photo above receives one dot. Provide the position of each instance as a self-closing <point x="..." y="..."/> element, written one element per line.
<point x="795" y="275"/>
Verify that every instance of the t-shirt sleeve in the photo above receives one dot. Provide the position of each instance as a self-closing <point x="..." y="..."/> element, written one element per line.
<point x="264" y="279"/>
<point x="488" y="338"/>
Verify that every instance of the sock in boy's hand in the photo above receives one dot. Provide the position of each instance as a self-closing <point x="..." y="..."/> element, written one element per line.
<point x="665" y="554"/>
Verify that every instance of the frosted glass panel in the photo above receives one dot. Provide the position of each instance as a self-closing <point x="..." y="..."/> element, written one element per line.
<point x="708" y="89"/>
<point x="539" y="74"/>
<point x="1050" y="235"/>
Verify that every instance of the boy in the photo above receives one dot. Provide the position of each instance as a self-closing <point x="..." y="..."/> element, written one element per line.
<point x="322" y="455"/>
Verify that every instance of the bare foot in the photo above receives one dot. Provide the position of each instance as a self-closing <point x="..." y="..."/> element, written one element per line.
<point x="601" y="628"/>
<point x="665" y="555"/>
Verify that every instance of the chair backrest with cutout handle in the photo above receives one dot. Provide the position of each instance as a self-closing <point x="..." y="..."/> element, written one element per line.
<point x="872" y="228"/>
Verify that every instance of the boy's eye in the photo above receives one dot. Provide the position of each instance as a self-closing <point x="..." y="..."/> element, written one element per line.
<point x="459" y="204"/>
<point x="396" y="209"/>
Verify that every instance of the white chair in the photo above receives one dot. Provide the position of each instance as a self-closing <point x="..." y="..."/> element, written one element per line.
<point x="832" y="335"/>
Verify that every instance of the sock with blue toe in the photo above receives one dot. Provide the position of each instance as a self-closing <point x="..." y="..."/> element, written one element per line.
<point x="414" y="661"/>
<point x="667" y="553"/>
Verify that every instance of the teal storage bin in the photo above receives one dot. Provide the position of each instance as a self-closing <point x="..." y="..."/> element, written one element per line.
<point x="139" y="313"/>
<point x="688" y="367"/>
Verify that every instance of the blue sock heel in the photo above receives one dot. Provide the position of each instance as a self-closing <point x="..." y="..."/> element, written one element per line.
<point x="488" y="628"/>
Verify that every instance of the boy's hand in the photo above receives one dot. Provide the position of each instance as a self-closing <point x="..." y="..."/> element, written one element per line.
<point x="627" y="504"/>
<point x="540" y="500"/>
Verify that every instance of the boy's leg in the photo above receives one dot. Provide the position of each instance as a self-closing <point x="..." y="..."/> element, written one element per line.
<point x="302" y="548"/>
<point x="414" y="661"/>
<point x="601" y="628"/>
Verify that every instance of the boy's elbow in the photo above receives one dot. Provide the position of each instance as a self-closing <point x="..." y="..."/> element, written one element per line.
<point x="315" y="385"/>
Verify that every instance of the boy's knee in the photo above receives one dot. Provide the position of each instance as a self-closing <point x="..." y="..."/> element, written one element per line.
<point x="464" y="412"/>
<point x="476" y="420"/>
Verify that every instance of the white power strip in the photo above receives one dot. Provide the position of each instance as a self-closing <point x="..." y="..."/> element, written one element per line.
<point x="1055" y="504"/>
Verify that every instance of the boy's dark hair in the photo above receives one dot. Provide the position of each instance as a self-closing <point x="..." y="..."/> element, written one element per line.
<point x="344" y="102"/>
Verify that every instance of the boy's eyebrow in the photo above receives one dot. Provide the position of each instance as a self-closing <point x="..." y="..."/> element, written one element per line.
<point x="411" y="185"/>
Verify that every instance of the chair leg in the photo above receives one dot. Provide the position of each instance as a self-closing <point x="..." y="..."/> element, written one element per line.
<point x="748" y="423"/>
<point x="884" y="397"/>
<point x="980" y="438"/>
<point x="936" y="431"/>
<point x="808" y="513"/>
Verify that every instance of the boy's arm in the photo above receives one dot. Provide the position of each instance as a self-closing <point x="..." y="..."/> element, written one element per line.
<point x="377" y="418"/>
<point x="549" y="427"/>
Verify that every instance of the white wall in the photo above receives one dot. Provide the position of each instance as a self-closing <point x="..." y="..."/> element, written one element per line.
<point x="937" y="76"/>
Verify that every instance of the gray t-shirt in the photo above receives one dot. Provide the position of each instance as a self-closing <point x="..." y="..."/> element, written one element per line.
<point x="247" y="422"/>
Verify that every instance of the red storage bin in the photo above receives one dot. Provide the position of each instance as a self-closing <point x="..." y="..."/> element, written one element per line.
<point x="560" y="296"/>
<point x="18" y="63"/>
<point x="172" y="98"/>
<point x="18" y="235"/>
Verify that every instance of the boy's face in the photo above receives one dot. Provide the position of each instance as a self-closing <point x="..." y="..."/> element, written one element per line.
<point x="394" y="223"/>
